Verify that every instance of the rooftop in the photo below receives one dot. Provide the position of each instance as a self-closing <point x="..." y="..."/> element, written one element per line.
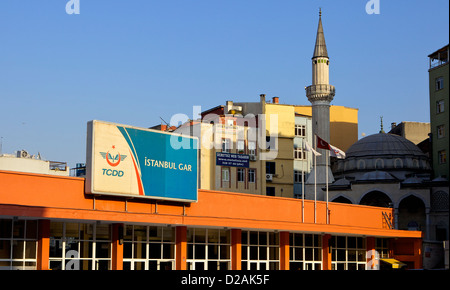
<point x="439" y="57"/>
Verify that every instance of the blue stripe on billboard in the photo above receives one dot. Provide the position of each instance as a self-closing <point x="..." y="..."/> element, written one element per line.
<point x="165" y="172"/>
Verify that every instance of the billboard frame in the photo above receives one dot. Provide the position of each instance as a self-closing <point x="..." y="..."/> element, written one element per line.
<point x="90" y="164"/>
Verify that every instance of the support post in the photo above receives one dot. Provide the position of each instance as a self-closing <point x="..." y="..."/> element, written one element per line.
<point x="117" y="247"/>
<point x="326" y="252"/>
<point x="236" y="249"/>
<point x="284" y="250"/>
<point x="181" y="248"/>
<point x="43" y="251"/>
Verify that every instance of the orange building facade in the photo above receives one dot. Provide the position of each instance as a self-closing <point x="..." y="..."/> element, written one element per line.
<point x="48" y="222"/>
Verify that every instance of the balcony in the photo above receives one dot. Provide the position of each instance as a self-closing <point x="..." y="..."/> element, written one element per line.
<point x="322" y="92"/>
<point x="439" y="57"/>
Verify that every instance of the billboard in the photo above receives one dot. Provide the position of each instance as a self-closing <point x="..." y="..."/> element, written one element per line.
<point x="128" y="161"/>
<point x="231" y="159"/>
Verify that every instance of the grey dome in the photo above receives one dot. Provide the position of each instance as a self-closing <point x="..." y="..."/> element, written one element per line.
<point x="386" y="152"/>
<point x="382" y="144"/>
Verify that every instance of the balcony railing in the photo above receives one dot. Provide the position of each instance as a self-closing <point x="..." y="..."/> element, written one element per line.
<point x="320" y="92"/>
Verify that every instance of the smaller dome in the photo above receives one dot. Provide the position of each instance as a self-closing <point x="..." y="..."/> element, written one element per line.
<point x="342" y="181"/>
<point x="413" y="180"/>
<point x="440" y="179"/>
<point x="376" y="175"/>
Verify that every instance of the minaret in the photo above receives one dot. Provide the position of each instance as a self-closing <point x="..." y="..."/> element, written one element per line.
<point x="320" y="94"/>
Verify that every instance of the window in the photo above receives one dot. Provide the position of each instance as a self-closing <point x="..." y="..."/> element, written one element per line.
<point x="225" y="174"/>
<point x="398" y="163"/>
<point x="271" y="143"/>
<point x="270" y="191"/>
<point x="80" y="246"/>
<point x="18" y="244"/>
<point x="439" y="201"/>
<point x="379" y="164"/>
<point x="300" y="130"/>
<point x="240" y="175"/>
<point x="440" y="106"/>
<point x="148" y="248"/>
<point x="382" y="247"/>
<point x="361" y="164"/>
<point x="226" y="145"/>
<point x="208" y="249"/>
<point x="270" y="167"/>
<point x="252" y="148"/>
<point x="241" y="146"/>
<point x="441" y="131"/>
<point x="442" y="156"/>
<point x="348" y="253"/>
<point x="298" y="176"/>
<point x="439" y="83"/>
<point x="305" y="252"/>
<point x="251" y="176"/>
<point x="260" y="250"/>
<point x="299" y="153"/>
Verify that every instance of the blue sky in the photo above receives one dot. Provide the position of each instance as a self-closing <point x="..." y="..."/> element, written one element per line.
<point x="135" y="61"/>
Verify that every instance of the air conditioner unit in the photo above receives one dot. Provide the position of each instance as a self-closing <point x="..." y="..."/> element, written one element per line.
<point x="23" y="154"/>
<point x="269" y="177"/>
<point x="252" y="158"/>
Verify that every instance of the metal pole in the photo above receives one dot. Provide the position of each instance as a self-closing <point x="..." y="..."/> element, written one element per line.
<point x="328" y="154"/>
<point x="303" y="187"/>
<point x="315" y="178"/>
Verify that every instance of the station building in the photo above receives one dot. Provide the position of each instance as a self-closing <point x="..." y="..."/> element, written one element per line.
<point x="49" y="222"/>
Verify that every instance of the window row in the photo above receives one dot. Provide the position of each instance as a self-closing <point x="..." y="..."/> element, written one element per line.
<point x="208" y="249"/>
<point x="80" y="246"/>
<point x="243" y="175"/>
<point x="242" y="147"/>
<point x="148" y="247"/>
<point x="88" y="246"/>
<point x="18" y="244"/>
<point x="260" y="250"/>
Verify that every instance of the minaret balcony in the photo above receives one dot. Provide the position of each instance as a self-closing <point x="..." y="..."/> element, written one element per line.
<point x="321" y="92"/>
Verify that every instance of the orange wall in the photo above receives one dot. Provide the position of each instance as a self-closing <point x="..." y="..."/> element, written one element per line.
<point x="45" y="196"/>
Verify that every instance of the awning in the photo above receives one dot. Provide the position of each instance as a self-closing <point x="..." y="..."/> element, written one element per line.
<point x="396" y="264"/>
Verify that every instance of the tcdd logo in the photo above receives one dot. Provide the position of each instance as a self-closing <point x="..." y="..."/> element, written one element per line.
<point x="112" y="172"/>
<point x="113" y="158"/>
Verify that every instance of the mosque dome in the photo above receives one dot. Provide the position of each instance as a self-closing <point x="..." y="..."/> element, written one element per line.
<point x="385" y="152"/>
<point x="383" y="144"/>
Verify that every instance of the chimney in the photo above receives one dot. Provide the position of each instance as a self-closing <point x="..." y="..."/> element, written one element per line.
<point x="262" y="98"/>
<point x="275" y="100"/>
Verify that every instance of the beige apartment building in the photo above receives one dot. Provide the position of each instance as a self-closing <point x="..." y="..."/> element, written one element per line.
<point x="272" y="135"/>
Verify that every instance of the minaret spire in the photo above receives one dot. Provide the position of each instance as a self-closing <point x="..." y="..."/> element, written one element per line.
<point x="320" y="50"/>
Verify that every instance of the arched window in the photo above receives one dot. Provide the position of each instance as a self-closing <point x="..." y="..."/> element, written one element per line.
<point x="411" y="213"/>
<point x="379" y="164"/>
<point x="398" y="163"/>
<point x="342" y="199"/>
<point x="376" y="198"/>
<point x="361" y="164"/>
